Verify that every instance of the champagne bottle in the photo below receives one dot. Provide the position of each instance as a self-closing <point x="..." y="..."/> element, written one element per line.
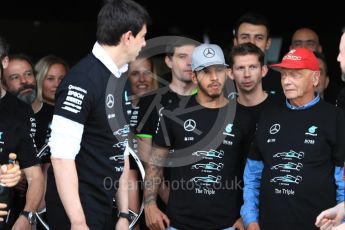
<point x="6" y="193"/>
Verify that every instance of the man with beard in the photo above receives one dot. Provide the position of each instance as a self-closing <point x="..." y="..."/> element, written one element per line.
<point x="16" y="128"/>
<point x="207" y="158"/>
<point x="19" y="80"/>
<point x="9" y="177"/>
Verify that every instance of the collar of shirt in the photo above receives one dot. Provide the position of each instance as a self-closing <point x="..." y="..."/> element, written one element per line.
<point x="101" y="55"/>
<point x="306" y="106"/>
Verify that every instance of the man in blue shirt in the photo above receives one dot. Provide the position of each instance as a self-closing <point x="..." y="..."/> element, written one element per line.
<point x="294" y="168"/>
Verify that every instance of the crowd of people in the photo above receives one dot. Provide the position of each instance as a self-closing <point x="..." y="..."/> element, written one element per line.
<point x="227" y="141"/>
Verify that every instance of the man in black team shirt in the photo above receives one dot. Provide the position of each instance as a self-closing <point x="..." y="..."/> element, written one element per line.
<point x="247" y="68"/>
<point x="179" y="59"/>
<point x="15" y="136"/>
<point x="209" y="145"/>
<point x="294" y="168"/>
<point x="86" y="153"/>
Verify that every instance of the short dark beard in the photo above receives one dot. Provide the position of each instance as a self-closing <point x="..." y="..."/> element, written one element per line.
<point x="201" y="88"/>
<point x="28" y="98"/>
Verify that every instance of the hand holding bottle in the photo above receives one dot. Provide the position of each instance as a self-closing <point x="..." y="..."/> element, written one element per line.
<point x="8" y="178"/>
<point x="10" y="173"/>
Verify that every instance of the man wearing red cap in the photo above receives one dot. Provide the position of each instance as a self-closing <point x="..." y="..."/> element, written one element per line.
<point x="294" y="168"/>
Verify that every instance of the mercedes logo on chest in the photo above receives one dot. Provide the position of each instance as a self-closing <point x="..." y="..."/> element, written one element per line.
<point x="189" y="125"/>
<point x="274" y="128"/>
<point x="110" y="101"/>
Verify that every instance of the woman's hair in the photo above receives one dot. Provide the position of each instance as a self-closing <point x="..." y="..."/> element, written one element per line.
<point x="41" y="69"/>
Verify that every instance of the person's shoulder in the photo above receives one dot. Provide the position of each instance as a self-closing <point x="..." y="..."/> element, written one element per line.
<point x="341" y="99"/>
<point x="47" y="109"/>
<point x="89" y="75"/>
<point x="12" y="102"/>
<point x="272" y="103"/>
<point x="87" y="68"/>
<point x="327" y="106"/>
<point x="342" y="92"/>
<point x="154" y="96"/>
<point x="16" y="110"/>
<point x="274" y="100"/>
<point x="147" y="97"/>
<point x="330" y="107"/>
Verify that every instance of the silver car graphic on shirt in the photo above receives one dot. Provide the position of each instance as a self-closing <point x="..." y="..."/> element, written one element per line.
<point x="290" y="154"/>
<point x="117" y="157"/>
<point x="207" y="179"/>
<point x="211" y="153"/>
<point x="208" y="166"/>
<point x="122" y="132"/>
<point x="287" y="179"/>
<point x="289" y="166"/>
<point x="121" y="144"/>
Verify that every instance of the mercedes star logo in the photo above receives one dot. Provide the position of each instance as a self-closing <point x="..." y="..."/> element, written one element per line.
<point x="110" y="101"/>
<point x="189" y="125"/>
<point x="274" y="128"/>
<point x="209" y="52"/>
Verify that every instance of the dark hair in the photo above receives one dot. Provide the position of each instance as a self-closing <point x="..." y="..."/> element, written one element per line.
<point x="118" y="17"/>
<point x="245" y="49"/>
<point x="322" y="57"/>
<point x="22" y="57"/>
<point x="252" y="18"/>
<point x="4" y="48"/>
<point x="178" y="42"/>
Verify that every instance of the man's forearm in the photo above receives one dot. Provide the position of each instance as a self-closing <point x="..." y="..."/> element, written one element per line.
<point x="154" y="175"/>
<point x="66" y="179"/>
<point x="144" y="150"/>
<point x="122" y="193"/>
<point x="35" y="190"/>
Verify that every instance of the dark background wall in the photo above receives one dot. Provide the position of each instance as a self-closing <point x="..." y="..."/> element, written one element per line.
<point x="67" y="28"/>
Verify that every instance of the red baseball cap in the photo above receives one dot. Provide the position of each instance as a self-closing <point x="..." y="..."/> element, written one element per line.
<point x="299" y="58"/>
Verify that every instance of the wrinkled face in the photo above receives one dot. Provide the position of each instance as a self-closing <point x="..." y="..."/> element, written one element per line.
<point x="211" y="81"/>
<point x="19" y="79"/>
<point x="247" y="72"/>
<point x="140" y="76"/>
<point x="255" y="34"/>
<point x="137" y="43"/>
<point x="181" y="63"/>
<point x="324" y="79"/>
<point x="298" y="85"/>
<point x="341" y="55"/>
<point x="51" y="81"/>
<point x="305" y="38"/>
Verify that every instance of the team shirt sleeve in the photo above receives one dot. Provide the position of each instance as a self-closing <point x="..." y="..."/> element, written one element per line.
<point x="75" y="97"/>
